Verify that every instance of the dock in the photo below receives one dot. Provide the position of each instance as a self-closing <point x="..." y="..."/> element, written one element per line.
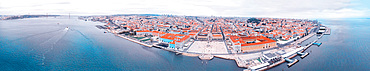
<point x="302" y="54"/>
<point x="327" y="32"/>
<point x="294" y="62"/>
<point x="291" y="62"/>
<point x="320" y="36"/>
<point x="309" y="45"/>
<point x="318" y="44"/>
<point x="205" y="57"/>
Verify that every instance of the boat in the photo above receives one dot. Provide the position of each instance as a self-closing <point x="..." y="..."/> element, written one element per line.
<point x="67" y="28"/>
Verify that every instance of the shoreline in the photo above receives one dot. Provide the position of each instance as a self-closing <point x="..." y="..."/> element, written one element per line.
<point x="232" y="56"/>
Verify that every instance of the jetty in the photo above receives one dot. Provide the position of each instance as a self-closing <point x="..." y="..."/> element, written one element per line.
<point x="327" y="32"/>
<point x="320" y="36"/>
<point x="308" y="45"/>
<point x="291" y="62"/>
<point x="302" y="54"/>
<point x="205" y="57"/>
<point x="318" y="44"/>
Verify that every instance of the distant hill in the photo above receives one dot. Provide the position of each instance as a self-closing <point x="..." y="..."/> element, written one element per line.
<point x="27" y="16"/>
<point x="137" y="15"/>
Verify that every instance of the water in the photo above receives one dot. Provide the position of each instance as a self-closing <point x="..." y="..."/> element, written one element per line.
<point x="346" y="49"/>
<point x="42" y="44"/>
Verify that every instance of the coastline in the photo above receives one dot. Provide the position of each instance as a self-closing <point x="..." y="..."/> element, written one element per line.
<point x="230" y="56"/>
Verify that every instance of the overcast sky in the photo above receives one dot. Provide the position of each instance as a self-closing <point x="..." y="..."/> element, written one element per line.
<point x="240" y="8"/>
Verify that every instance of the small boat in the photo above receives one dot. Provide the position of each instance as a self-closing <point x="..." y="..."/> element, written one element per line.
<point x="67" y="28"/>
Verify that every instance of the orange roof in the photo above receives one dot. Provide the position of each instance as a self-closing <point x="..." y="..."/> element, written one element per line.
<point x="173" y="42"/>
<point x="143" y="31"/>
<point x="191" y="34"/>
<point x="237" y="44"/>
<point x="175" y="37"/>
<point x="217" y="35"/>
<point x="263" y="40"/>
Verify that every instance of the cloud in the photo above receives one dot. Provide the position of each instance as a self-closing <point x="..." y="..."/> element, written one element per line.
<point x="49" y="4"/>
<point x="243" y="8"/>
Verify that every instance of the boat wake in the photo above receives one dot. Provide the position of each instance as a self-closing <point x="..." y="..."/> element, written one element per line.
<point x="83" y="35"/>
<point x="48" y="45"/>
<point x="12" y="41"/>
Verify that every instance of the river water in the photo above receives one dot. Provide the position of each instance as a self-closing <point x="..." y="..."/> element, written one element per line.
<point x="345" y="49"/>
<point x="42" y="44"/>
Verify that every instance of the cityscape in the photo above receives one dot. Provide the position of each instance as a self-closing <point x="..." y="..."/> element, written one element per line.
<point x="185" y="36"/>
<point x="235" y="38"/>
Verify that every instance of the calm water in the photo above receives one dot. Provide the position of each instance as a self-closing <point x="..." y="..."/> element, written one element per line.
<point x="346" y="49"/>
<point x="42" y="44"/>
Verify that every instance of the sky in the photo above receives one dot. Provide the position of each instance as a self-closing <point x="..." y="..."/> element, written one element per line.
<point x="227" y="8"/>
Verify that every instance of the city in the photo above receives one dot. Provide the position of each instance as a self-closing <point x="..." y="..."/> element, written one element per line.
<point x="184" y="35"/>
<point x="235" y="38"/>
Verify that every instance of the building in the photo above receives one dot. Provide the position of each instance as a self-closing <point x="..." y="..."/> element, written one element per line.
<point x="144" y="32"/>
<point x="174" y="40"/>
<point x="217" y="37"/>
<point x="244" y="44"/>
<point x="202" y="36"/>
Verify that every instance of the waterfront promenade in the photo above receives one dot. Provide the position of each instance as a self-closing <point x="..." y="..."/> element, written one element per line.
<point x="244" y="60"/>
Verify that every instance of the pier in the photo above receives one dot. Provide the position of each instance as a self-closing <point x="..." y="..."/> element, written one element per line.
<point x="205" y="57"/>
<point x="291" y="62"/>
<point x="318" y="44"/>
<point x="320" y="36"/>
<point x="307" y="46"/>
<point x="327" y="32"/>
<point x="302" y="54"/>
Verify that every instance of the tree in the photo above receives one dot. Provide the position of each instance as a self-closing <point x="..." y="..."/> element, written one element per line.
<point x="254" y="20"/>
